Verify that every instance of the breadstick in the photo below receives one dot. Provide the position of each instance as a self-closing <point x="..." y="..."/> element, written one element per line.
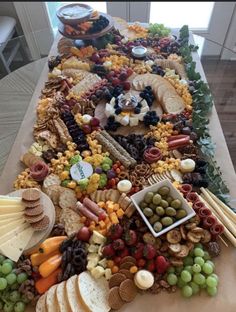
<point x="227" y="233"/>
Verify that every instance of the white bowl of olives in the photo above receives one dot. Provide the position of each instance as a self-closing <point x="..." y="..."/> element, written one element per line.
<point x="162" y="207"/>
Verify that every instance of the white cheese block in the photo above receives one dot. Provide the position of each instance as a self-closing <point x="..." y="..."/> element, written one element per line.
<point x="14" y="215"/>
<point x="14" y="247"/>
<point x="11" y="208"/>
<point x="144" y="109"/>
<point x="109" y="110"/>
<point x="113" y="101"/>
<point x="10" y="226"/>
<point x="125" y="120"/>
<point x="118" y="118"/>
<point x="133" y="121"/>
<point x="141" y="116"/>
<point x="14" y="232"/>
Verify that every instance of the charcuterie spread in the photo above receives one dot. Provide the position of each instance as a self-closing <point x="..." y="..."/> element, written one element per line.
<point x="120" y="195"/>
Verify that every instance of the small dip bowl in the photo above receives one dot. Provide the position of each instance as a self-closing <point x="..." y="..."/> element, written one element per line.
<point x="139" y="51"/>
<point x="75" y="13"/>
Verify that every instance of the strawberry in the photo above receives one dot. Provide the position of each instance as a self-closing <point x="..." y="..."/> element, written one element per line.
<point x="108" y="251"/>
<point x="123" y="253"/>
<point x="151" y="266"/>
<point x="137" y="251"/>
<point x="118" y="244"/>
<point x="149" y="252"/>
<point x="115" y="231"/>
<point x="141" y="263"/>
<point x="130" y="238"/>
<point x="117" y="260"/>
<point x="162" y="264"/>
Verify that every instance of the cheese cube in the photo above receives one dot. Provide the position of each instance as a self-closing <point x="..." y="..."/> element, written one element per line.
<point x="144" y="109"/>
<point x="141" y="116"/>
<point x="125" y="120"/>
<point x="109" y="110"/>
<point x="133" y="121"/>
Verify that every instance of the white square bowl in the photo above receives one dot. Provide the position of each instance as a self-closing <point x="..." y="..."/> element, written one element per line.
<point x="138" y="197"/>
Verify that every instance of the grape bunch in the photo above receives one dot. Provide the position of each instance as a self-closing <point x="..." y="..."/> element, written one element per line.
<point x="159" y="30"/>
<point x="11" y="298"/>
<point x="196" y="274"/>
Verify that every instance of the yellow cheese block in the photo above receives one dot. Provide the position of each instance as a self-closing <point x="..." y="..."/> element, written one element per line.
<point x="10" y="226"/>
<point x="11" y="208"/>
<point x="14" y="215"/>
<point x="14" y="232"/>
<point x="14" y="247"/>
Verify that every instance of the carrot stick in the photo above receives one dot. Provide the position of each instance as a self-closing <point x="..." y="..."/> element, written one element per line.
<point x="43" y="284"/>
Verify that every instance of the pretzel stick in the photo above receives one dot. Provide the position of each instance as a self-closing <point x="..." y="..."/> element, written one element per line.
<point x="217" y="209"/>
<point x="223" y="241"/>
<point x="226" y="209"/>
<point x="226" y="232"/>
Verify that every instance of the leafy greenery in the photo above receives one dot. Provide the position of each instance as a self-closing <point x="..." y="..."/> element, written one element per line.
<point x="202" y="105"/>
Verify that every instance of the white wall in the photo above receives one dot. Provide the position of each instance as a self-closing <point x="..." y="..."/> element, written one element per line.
<point x="8" y="9"/>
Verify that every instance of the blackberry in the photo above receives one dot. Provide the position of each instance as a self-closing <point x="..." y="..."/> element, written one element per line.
<point x="151" y="118"/>
<point x="137" y="110"/>
<point x="118" y="110"/>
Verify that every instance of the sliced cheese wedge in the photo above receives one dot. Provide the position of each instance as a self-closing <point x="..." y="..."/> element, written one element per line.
<point x="7" y="221"/>
<point x="11" y="208"/>
<point x="11" y="215"/>
<point x="7" y="200"/>
<point x="14" y="247"/>
<point x="13" y="233"/>
<point x="4" y="229"/>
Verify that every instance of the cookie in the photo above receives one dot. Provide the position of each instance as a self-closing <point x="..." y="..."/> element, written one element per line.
<point x="126" y="273"/>
<point x="116" y="279"/>
<point x="126" y="265"/>
<point x="34" y="219"/>
<point x="114" y="299"/>
<point x="128" y="259"/>
<point x="41" y="225"/>
<point x="35" y="211"/>
<point x="127" y="290"/>
<point x="31" y="204"/>
<point x="31" y="194"/>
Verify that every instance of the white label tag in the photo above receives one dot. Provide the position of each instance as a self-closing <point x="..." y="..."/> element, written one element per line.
<point x="81" y="170"/>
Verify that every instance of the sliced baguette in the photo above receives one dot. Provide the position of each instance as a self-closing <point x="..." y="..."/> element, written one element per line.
<point x="93" y="292"/>
<point x="62" y="300"/>
<point x="51" y="300"/>
<point x="41" y="304"/>
<point x="73" y="299"/>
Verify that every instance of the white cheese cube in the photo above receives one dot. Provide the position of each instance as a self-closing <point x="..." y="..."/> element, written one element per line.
<point x="108" y="274"/>
<point x="98" y="238"/>
<point x="97" y="272"/>
<point x="93" y="248"/>
<point x="125" y="120"/>
<point x="144" y="109"/>
<point x="133" y="121"/>
<point x="141" y="116"/>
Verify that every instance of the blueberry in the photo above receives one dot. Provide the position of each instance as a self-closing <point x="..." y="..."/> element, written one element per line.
<point x="137" y="110"/>
<point x="118" y="111"/>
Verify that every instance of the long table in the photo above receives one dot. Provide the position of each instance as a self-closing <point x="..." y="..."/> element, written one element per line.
<point x="225" y="263"/>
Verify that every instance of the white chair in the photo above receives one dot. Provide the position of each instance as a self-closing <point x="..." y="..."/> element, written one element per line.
<point x="7" y="31"/>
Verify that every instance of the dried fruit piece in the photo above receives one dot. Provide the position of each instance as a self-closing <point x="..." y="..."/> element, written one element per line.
<point x="175" y="248"/>
<point x="183" y="252"/>
<point x="173" y="236"/>
<point x="206" y="237"/>
<point x="193" y="237"/>
<point x="183" y="232"/>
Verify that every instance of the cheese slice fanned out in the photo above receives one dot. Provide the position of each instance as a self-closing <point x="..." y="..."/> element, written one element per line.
<point x="13" y="233"/>
<point x="10" y="226"/>
<point x="14" y="215"/>
<point x="13" y="208"/>
<point x="14" y="247"/>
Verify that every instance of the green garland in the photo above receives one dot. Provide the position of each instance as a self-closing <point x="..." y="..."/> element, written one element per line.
<point x="202" y="106"/>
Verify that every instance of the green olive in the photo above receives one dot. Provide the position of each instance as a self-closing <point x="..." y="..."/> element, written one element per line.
<point x="143" y="205"/>
<point x="160" y="211"/>
<point x="154" y="219"/>
<point x="156" y="199"/>
<point x="170" y="211"/>
<point x="148" y="197"/>
<point x="148" y="212"/>
<point x="169" y="199"/>
<point x="166" y="221"/>
<point x="164" y="203"/>
<point x="157" y="227"/>
<point x="176" y="203"/>
<point x="152" y="206"/>
<point x="181" y="213"/>
<point x="164" y="190"/>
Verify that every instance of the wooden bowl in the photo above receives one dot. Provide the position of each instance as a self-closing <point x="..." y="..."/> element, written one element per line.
<point x="78" y="17"/>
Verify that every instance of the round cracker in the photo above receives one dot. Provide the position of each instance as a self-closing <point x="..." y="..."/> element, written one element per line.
<point x="127" y="290"/>
<point x="34" y="219"/>
<point x="126" y="273"/>
<point x="42" y="224"/>
<point x="31" y="194"/>
<point x="128" y="259"/>
<point x="114" y="299"/>
<point x="35" y="211"/>
<point x="126" y="265"/>
<point x="116" y="279"/>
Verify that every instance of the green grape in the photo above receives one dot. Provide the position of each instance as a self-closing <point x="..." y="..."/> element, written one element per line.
<point x="181" y="283"/>
<point x="199" y="245"/>
<point x="211" y="281"/>
<point x="9" y="261"/>
<point x="22" y="277"/>
<point x="207" y="268"/>
<point x="11" y="278"/>
<point x="188" y="261"/>
<point x="14" y="296"/>
<point x="188" y="268"/>
<point x="191" y="254"/>
<point x="24" y="299"/>
<point x="199" y="260"/>
<point x="172" y="279"/>
<point x="195" y="287"/>
<point x="2" y="258"/>
<point x="206" y="256"/>
<point x="198" y="252"/>
<point x="199" y="278"/>
<point x="19" y="306"/>
<point x="178" y="270"/>
<point x="8" y="307"/>
<point x="203" y="286"/>
<point x="212" y="263"/>
<point x="3" y="283"/>
<point x="212" y="291"/>
<point x="171" y="270"/>
<point x="215" y="276"/>
<point x="187" y="291"/>
<point x="186" y="276"/>
<point x="196" y="268"/>
<point x="6" y="268"/>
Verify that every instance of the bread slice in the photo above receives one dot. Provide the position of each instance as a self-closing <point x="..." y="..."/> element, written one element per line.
<point x="93" y="292"/>
<point x="73" y="299"/>
<point x="61" y="295"/>
<point x="51" y="300"/>
<point x="41" y="304"/>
